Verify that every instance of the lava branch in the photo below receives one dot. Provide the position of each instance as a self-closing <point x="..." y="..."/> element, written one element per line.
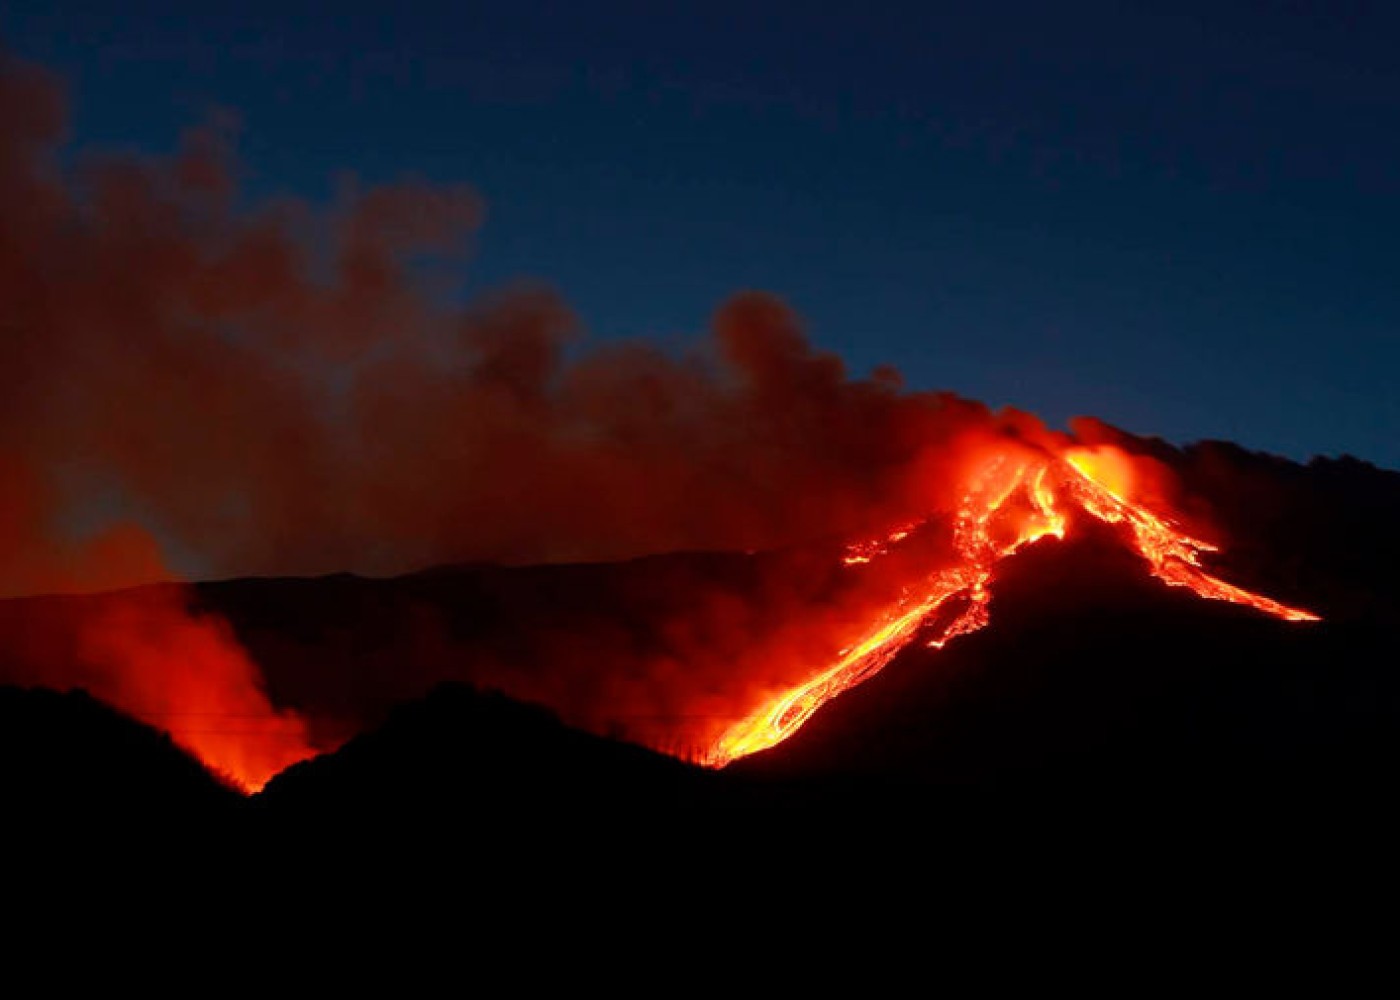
<point x="1046" y="485"/>
<point x="1175" y="557"/>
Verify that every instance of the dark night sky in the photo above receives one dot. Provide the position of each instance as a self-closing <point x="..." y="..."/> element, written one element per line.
<point x="1180" y="220"/>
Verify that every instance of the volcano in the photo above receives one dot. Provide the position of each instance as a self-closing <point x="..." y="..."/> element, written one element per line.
<point x="719" y="553"/>
<point x="1070" y="663"/>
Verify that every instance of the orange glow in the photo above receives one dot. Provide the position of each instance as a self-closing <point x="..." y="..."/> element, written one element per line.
<point x="1104" y="465"/>
<point x="1013" y="498"/>
<point x="185" y="673"/>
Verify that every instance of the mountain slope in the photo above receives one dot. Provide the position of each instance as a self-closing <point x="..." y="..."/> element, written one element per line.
<point x="1093" y="676"/>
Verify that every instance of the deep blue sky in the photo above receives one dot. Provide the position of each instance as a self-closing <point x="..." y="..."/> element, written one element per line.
<point x="1181" y="220"/>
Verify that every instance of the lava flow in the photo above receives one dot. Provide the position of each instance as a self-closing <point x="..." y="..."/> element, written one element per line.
<point x="1013" y="499"/>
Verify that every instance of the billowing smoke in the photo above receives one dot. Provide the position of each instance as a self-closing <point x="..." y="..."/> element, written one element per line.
<point x="190" y="380"/>
<point x="275" y="388"/>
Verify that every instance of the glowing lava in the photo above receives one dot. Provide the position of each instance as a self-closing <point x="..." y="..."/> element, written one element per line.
<point x="1013" y="498"/>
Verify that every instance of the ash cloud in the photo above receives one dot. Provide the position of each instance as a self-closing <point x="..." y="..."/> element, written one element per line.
<point x="272" y="389"/>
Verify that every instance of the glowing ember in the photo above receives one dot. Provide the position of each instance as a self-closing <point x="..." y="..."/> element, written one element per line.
<point x="1013" y="499"/>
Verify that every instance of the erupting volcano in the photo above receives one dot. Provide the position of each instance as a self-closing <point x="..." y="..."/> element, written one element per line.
<point x="379" y="486"/>
<point x="1012" y="498"/>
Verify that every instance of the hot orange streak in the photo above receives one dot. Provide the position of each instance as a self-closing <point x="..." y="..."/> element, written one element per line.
<point x="1175" y="557"/>
<point x="1093" y="482"/>
<point x="998" y="481"/>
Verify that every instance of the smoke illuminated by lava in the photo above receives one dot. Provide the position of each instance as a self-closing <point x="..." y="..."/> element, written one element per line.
<point x="185" y="673"/>
<point x="191" y="386"/>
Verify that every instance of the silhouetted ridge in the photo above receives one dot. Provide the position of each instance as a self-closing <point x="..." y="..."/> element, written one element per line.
<point x="1091" y="675"/>
<point x="67" y="757"/>
<point x="464" y="755"/>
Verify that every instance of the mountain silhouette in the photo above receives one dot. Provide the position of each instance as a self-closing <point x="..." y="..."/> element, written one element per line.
<point x="68" y="758"/>
<point x="1093" y="683"/>
<point x="1094" y="678"/>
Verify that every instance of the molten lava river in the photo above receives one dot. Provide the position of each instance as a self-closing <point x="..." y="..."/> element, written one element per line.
<point x="1013" y="497"/>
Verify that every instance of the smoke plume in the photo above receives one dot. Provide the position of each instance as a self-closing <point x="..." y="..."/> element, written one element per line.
<point x="190" y="379"/>
<point x="273" y="388"/>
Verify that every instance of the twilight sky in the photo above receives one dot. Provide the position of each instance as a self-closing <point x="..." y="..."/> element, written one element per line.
<point x="1178" y="217"/>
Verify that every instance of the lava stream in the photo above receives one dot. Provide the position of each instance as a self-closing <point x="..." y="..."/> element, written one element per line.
<point x="1012" y="500"/>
